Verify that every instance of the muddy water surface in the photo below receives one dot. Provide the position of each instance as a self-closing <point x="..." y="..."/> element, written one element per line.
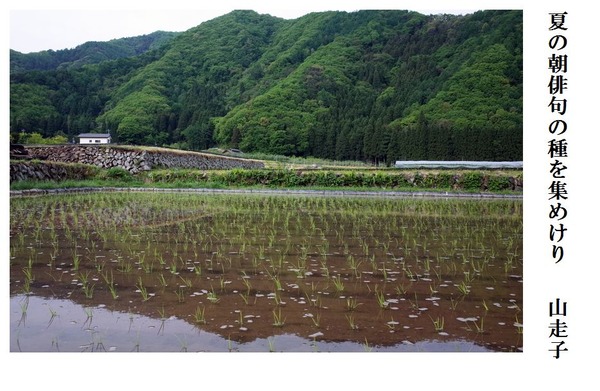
<point x="193" y="272"/>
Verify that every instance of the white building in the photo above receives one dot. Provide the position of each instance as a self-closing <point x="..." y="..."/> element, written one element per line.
<point x="94" y="138"/>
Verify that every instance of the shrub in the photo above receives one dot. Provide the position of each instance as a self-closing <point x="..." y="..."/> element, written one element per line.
<point x="471" y="181"/>
<point x="36" y="138"/>
<point x="118" y="173"/>
<point x="496" y="183"/>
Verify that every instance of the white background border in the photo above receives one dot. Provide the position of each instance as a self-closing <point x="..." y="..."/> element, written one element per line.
<point x="573" y="280"/>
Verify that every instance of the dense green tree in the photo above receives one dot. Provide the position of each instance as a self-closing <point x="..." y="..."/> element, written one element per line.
<point x="31" y="108"/>
<point x="368" y="85"/>
<point x="88" y="53"/>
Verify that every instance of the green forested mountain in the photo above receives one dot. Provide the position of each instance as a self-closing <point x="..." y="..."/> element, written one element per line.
<point x="87" y="53"/>
<point x="368" y="85"/>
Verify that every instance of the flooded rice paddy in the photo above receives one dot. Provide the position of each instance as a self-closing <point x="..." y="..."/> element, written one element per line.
<point x="203" y="272"/>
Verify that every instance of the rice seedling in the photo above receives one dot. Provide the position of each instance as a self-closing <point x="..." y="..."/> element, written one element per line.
<point x="198" y="269"/>
<point x="401" y="289"/>
<point x="142" y="290"/>
<point x="485" y="307"/>
<point x="508" y="265"/>
<point x="324" y="248"/>
<point x="433" y="288"/>
<point x="83" y="277"/>
<point x="277" y="299"/>
<point x="351" y="323"/>
<point x="436" y="271"/>
<point x="148" y="267"/>
<point x="99" y="266"/>
<point x="314" y="302"/>
<point x="212" y="297"/>
<point x="21" y="238"/>
<point x="316" y="320"/>
<point x="222" y="282"/>
<point x="324" y="269"/>
<point x="479" y="326"/>
<point x="187" y="282"/>
<point x="88" y="290"/>
<point x="478" y="266"/>
<point x="453" y="303"/>
<point x="162" y="281"/>
<point x="277" y="283"/>
<point x="515" y="306"/>
<point x="518" y="325"/>
<point x="255" y="262"/>
<point x="180" y="293"/>
<point x="173" y="266"/>
<point x="278" y="320"/>
<point x="240" y="319"/>
<point x="354" y="265"/>
<point x="415" y="304"/>
<point x="199" y="316"/>
<point x="246" y="282"/>
<point x="392" y="324"/>
<point x="245" y="297"/>
<point x="276" y="246"/>
<point x="381" y="300"/>
<point x="352" y="304"/>
<point x="408" y="273"/>
<point x="427" y="265"/>
<point x="338" y="284"/>
<point x="28" y="273"/>
<point x="125" y="266"/>
<point x="468" y="277"/>
<point x="463" y="288"/>
<point x="438" y="323"/>
<point x="76" y="258"/>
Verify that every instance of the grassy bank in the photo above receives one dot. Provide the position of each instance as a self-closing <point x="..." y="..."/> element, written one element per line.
<point x="367" y="180"/>
<point x="383" y="180"/>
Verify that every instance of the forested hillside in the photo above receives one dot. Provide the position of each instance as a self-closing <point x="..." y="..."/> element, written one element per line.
<point x="88" y="53"/>
<point x="369" y="85"/>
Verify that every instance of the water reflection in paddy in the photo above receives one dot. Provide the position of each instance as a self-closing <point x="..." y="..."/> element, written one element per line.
<point x="54" y="325"/>
<point x="171" y="272"/>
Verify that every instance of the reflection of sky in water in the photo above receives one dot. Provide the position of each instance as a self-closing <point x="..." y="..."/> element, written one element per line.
<point x="71" y="330"/>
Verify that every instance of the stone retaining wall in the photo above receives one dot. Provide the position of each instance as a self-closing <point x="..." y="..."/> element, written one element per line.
<point x="136" y="160"/>
<point x="56" y="171"/>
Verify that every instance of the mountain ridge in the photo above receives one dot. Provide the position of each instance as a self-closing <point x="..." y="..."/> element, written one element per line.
<point x="90" y="52"/>
<point x="364" y="85"/>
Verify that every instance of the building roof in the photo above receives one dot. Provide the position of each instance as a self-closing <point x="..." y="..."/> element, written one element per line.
<point x="94" y="135"/>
